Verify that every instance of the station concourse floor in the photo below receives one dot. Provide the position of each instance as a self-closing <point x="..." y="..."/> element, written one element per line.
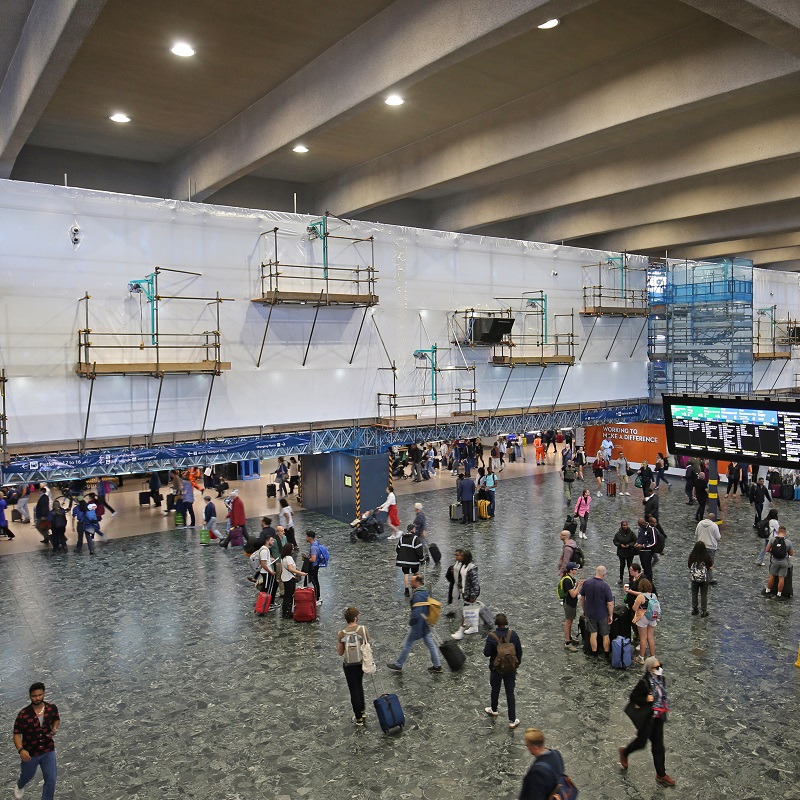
<point x="170" y="687"/>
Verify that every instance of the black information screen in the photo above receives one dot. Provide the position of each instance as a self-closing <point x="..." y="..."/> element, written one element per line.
<point x="766" y="431"/>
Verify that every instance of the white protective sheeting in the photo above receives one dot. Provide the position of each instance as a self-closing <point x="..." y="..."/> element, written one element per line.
<point x="423" y="277"/>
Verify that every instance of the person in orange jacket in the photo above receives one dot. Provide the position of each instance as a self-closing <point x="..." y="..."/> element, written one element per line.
<point x="539" y="447"/>
<point x="195" y="476"/>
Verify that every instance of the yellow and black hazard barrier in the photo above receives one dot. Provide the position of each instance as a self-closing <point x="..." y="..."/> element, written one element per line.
<point x="300" y="481"/>
<point x="357" y="471"/>
<point x="391" y="480"/>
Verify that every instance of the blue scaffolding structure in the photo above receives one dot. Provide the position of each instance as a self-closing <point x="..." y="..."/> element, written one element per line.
<point x="700" y="328"/>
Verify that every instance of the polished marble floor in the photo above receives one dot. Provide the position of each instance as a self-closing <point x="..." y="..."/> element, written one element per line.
<point x="170" y="687"/>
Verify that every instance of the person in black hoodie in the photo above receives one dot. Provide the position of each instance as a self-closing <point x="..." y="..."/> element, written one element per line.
<point x="41" y="515"/>
<point x="624" y="540"/>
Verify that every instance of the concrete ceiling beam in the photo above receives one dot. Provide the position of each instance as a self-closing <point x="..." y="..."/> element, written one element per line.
<point x="785" y="266"/>
<point x="776" y="22"/>
<point x="722" y="144"/>
<point x="626" y="99"/>
<point x="397" y="47"/>
<point x="734" y="247"/>
<point x="703" y="229"/>
<point x="52" y="35"/>
<point x="762" y="258"/>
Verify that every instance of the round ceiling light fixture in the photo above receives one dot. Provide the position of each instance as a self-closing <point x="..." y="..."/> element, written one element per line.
<point x="182" y="49"/>
<point x="119" y="117"/>
<point x="394" y="100"/>
<point x="300" y="148"/>
<point x="551" y="23"/>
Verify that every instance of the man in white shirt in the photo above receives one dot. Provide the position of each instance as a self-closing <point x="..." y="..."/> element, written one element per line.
<point x="607" y="446"/>
<point x="267" y="577"/>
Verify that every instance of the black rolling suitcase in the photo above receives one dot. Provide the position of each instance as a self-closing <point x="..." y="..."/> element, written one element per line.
<point x="587" y="646"/>
<point x="272" y="490"/>
<point x="436" y="553"/>
<point x="144" y="498"/>
<point x="621" y="623"/>
<point x="453" y="654"/>
<point x="787" y="491"/>
<point x="170" y="502"/>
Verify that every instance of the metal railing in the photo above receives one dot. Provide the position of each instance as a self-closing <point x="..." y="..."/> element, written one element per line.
<point x="460" y="402"/>
<point x="610" y="298"/>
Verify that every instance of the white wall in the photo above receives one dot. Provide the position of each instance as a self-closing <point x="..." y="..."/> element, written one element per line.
<point x="42" y="276"/>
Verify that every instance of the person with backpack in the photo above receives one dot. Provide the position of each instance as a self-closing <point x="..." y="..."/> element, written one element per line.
<point x="313" y="561"/>
<point x="350" y="643"/>
<point x="646" y="614"/>
<point x="58" y="527"/>
<point x="647" y="708"/>
<point x="489" y="485"/>
<point x="546" y="773"/>
<point x="504" y="651"/>
<point x="767" y="530"/>
<point x="707" y="532"/>
<point x="624" y="540"/>
<point x="699" y="564"/>
<point x="779" y="549"/>
<point x="759" y="496"/>
<point x="418" y="628"/>
<point x="582" y="511"/>
<point x="568" y="475"/>
<point x="662" y="465"/>
<point x="568" y="548"/>
<point x="689" y="477"/>
<point x="104" y="489"/>
<point x="568" y="588"/>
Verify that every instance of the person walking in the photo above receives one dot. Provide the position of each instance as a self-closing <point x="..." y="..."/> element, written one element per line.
<point x="767" y="531"/>
<point x="623" y="465"/>
<point x="104" y="489"/>
<point x="468" y="588"/>
<point x="34" y="729"/>
<point x="188" y="504"/>
<point x="662" y="464"/>
<point x="504" y="651"/>
<point x="582" y="510"/>
<point x="154" y="485"/>
<point x="699" y="564"/>
<point x="210" y="517"/>
<point x="599" y="465"/>
<point x="647" y="708"/>
<point x="645" y="478"/>
<point x="701" y="493"/>
<point x="22" y="503"/>
<point x="58" y="527"/>
<point x="418" y="628"/>
<point x="282" y="476"/>
<point x="545" y="773"/>
<point x="294" y="475"/>
<point x="289" y="576"/>
<point x="409" y="555"/>
<point x="780" y="549"/>
<point x="624" y="541"/>
<point x="390" y="507"/>
<point x="420" y="524"/>
<point x="350" y="643"/>
<point x="760" y="496"/>
<point x="689" y="478"/>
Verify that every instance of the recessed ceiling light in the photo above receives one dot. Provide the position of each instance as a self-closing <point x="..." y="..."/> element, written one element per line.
<point x="551" y="23"/>
<point x="300" y="148"/>
<point x="182" y="49"/>
<point x="120" y="117"/>
<point x="394" y="100"/>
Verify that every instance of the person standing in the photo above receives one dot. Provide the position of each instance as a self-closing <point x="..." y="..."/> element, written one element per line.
<point x="568" y="476"/>
<point x="582" y="510"/>
<point x="607" y="447"/>
<point x="689" y="478"/>
<point x="646" y="612"/>
<point x="468" y="588"/>
<point x="420" y="524"/>
<point x="707" y="532"/>
<point x="409" y="555"/>
<point x="648" y="707"/>
<point x="34" y="729"/>
<point x="41" y="515"/>
<point x="570" y="586"/>
<point x="289" y="576"/>
<point x="733" y="478"/>
<point x="645" y="478"/>
<point x="349" y="643"/>
<point x="597" y="604"/>
<point x="699" y="564"/>
<point x="465" y="494"/>
<point x="545" y="773"/>
<point x="390" y="507"/>
<point x="580" y="461"/>
<point x="568" y="546"/>
<point x="418" y="628"/>
<point x="744" y="477"/>
<point x="701" y="493"/>
<point x="650" y="504"/>
<point x="599" y="465"/>
<point x="646" y="541"/>
<point x="538" y="447"/>
<point x="490" y="485"/>
<point x="188" y="503"/>
<point x="154" y="485"/>
<point x="760" y="496"/>
<point x="780" y="548"/>
<point x="58" y="527"/>
<point x="312" y="564"/>
<point x="767" y="530"/>
<point x="281" y="476"/>
<point x="104" y="489"/>
<point x="504" y="651"/>
<point x="623" y="465"/>
<point x="4" y="529"/>
<point x="236" y="514"/>
<point x="22" y="503"/>
<point x="267" y="580"/>
<point x="415" y="453"/>
<point x="624" y="540"/>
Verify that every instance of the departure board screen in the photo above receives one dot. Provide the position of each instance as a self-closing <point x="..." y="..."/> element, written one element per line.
<point x="753" y="430"/>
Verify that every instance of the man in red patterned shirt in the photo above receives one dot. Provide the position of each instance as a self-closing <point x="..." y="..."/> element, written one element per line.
<point x="34" y="729"/>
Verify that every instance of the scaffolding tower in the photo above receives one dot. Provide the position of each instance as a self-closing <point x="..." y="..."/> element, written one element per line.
<point x="700" y="327"/>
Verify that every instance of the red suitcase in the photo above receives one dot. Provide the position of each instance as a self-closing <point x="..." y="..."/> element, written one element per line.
<point x="305" y="605"/>
<point x="263" y="602"/>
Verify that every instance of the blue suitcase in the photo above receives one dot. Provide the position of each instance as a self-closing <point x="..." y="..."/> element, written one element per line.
<point x="389" y="711"/>
<point x="621" y="653"/>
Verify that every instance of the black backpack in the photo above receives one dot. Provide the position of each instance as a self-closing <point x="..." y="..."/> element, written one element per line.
<point x="779" y="550"/>
<point x="577" y="556"/>
<point x="762" y="531"/>
<point x="661" y="540"/>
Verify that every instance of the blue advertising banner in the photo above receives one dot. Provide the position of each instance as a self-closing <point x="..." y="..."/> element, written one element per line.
<point x="619" y="414"/>
<point x="140" y="459"/>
